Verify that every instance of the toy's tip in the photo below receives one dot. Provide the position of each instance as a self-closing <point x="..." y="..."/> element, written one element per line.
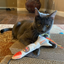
<point x="17" y="55"/>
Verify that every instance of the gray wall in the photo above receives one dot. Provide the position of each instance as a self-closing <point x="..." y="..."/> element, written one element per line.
<point x="2" y="3"/>
<point x="8" y="3"/>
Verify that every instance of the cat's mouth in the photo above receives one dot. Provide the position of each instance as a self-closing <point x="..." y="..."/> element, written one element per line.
<point x="42" y="32"/>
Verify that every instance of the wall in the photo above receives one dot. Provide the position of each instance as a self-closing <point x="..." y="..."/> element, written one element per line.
<point x="2" y="3"/>
<point x="56" y="5"/>
<point x="59" y="5"/>
<point x="21" y="3"/>
<point x="8" y="3"/>
<point x="11" y="3"/>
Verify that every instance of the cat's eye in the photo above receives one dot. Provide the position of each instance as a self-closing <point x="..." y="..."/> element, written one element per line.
<point x="38" y="24"/>
<point x="47" y="25"/>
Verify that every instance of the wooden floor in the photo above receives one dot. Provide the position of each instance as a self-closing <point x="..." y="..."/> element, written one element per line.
<point x="11" y="17"/>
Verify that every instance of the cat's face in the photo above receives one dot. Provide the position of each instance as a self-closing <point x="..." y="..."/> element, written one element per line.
<point x="44" y="22"/>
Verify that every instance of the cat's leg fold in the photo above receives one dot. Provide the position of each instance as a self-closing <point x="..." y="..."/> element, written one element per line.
<point x="24" y="40"/>
<point x="36" y="52"/>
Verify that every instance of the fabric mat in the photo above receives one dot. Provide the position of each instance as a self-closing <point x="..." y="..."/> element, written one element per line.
<point x="26" y="60"/>
<point x="6" y="38"/>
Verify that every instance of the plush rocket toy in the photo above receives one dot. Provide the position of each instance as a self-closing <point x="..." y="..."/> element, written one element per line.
<point x="41" y="41"/>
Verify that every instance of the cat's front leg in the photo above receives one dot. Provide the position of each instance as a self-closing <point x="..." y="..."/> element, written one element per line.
<point x="24" y="40"/>
<point x="53" y="45"/>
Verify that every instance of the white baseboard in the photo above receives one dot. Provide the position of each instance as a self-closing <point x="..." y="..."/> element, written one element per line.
<point x="59" y="13"/>
<point x="8" y="7"/>
<point x="21" y="9"/>
<point x="24" y="9"/>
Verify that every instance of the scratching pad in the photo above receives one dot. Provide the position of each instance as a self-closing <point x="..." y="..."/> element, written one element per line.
<point x="45" y="53"/>
<point x="27" y="60"/>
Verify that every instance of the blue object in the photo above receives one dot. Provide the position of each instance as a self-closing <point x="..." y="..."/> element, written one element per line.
<point x="61" y="33"/>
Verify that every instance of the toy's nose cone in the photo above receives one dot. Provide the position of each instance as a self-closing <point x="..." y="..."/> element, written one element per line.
<point x="17" y="55"/>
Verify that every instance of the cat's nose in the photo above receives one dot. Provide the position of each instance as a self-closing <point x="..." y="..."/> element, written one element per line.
<point x="43" y="29"/>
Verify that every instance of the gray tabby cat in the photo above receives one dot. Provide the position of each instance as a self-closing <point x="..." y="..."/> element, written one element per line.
<point x="27" y="32"/>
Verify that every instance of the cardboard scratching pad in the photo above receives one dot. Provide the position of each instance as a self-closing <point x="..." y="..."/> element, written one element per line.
<point x="27" y="60"/>
<point x="45" y="53"/>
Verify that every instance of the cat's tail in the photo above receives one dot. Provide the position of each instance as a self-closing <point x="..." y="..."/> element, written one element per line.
<point x="6" y="29"/>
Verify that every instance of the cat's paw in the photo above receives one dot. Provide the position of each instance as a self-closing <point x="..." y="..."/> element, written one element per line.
<point x="53" y="44"/>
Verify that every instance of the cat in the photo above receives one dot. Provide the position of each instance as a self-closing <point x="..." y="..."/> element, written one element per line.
<point x="27" y="31"/>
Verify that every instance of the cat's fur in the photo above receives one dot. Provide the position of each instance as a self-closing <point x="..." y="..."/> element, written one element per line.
<point x="27" y="32"/>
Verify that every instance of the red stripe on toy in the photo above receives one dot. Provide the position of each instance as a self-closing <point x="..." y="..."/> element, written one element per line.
<point x="18" y="53"/>
<point x="42" y="41"/>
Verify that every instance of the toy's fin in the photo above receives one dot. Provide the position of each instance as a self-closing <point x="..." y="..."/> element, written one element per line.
<point x="46" y="44"/>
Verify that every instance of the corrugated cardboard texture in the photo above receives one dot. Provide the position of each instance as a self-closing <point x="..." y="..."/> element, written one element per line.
<point x="26" y="60"/>
<point x="45" y="53"/>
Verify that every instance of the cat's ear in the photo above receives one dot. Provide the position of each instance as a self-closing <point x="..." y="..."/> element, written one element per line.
<point x="36" y="12"/>
<point x="53" y="14"/>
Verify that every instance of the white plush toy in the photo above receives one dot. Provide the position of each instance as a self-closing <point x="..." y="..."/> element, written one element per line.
<point x="41" y="41"/>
